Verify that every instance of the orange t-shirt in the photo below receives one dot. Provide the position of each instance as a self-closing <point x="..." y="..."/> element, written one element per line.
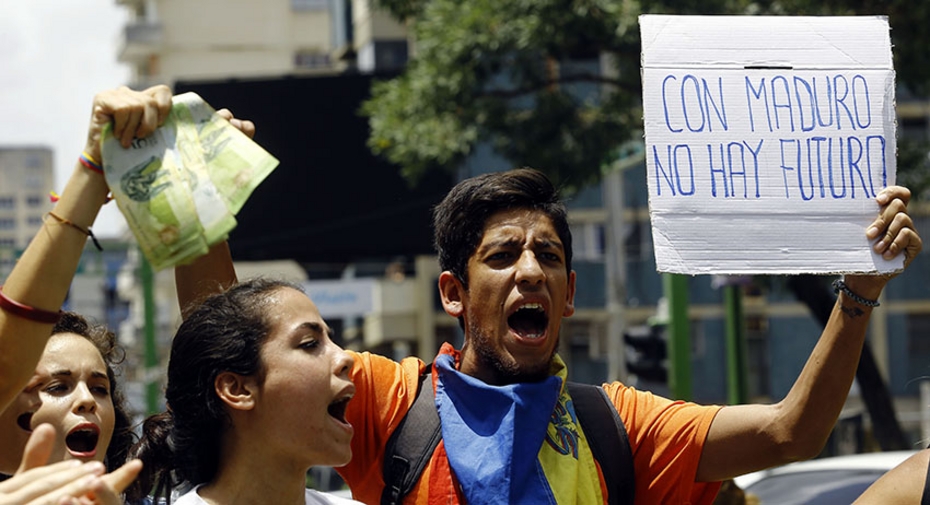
<point x="666" y="438"/>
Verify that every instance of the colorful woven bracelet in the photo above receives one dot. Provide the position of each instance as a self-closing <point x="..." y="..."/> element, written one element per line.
<point x="27" y="312"/>
<point x="90" y="163"/>
<point x="839" y="285"/>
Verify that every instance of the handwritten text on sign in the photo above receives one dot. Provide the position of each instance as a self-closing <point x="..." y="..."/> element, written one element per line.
<point x="725" y="130"/>
<point x="764" y="152"/>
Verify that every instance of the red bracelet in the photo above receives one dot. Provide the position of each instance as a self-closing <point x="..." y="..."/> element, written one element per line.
<point x="27" y="312"/>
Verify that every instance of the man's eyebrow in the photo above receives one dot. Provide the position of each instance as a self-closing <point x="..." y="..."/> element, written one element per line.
<point x="549" y="242"/>
<point x="99" y="375"/>
<point x="502" y="242"/>
<point x="59" y="373"/>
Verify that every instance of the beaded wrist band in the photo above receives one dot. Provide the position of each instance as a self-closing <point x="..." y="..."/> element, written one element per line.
<point x="839" y="285"/>
<point x="27" y="312"/>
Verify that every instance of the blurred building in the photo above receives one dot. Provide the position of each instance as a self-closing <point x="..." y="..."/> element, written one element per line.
<point x="26" y="176"/>
<point x="167" y="41"/>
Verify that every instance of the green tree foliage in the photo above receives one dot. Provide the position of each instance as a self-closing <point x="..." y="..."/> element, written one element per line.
<point x="513" y="73"/>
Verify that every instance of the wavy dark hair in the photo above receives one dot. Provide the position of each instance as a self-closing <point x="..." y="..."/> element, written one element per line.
<point x="459" y="219"/>
<point x="113" y="355"/>
<point x="224" y="334"/>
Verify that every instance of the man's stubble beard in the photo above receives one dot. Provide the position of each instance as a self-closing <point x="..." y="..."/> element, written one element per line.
<point x="505" y="368"/>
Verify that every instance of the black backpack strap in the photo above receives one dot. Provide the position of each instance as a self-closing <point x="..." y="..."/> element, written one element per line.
<point x="412" y="443"/>
<point x="607" y="438"/>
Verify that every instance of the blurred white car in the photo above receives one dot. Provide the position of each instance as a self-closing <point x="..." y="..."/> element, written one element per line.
<point x="825" y="481"/>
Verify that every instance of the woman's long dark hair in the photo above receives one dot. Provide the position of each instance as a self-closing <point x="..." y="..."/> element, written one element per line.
<point x="224" y="334"/>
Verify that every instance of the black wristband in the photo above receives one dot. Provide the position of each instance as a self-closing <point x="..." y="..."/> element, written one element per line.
<point x="839" y="285"/>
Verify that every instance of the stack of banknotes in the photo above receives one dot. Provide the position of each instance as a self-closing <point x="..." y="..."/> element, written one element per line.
<point x="181" y="187"/>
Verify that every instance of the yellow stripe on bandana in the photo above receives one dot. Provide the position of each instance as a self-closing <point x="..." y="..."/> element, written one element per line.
<point x="565" y="455"/>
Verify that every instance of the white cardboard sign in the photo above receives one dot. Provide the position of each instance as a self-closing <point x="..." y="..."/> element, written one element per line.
<point x="767" y="140"/>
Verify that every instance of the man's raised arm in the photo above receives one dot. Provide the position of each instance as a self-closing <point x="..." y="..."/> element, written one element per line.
<point x="746" y="438"/>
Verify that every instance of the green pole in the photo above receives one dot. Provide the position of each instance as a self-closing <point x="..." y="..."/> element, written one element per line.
<point x="679" y="336"/>
<point x="151" y="351"/>
<point x="736" y="346"/>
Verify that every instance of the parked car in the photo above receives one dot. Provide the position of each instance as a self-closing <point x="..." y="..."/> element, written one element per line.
<point x="826" y="481"/>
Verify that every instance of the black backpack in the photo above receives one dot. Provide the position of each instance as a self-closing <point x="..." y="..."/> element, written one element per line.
<point x="411" y="445"/>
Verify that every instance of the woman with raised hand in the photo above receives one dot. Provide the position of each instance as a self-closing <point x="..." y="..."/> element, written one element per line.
<point x="32" y="295"/>
<point x="256" y="395"/>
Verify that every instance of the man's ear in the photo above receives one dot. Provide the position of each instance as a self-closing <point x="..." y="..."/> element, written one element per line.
<point x="570" y="295"/>
<point x="236" y="391"/>
<point x="452" y="293"/>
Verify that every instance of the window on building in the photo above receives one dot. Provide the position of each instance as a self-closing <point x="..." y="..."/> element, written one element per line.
<point x="757" y="350"/>
<point x="309" y="5"/>
<point x="638" y="242"/>
<point x="7" y="264"/>
<point x="588" y="241"/>
<point x="7" y="224"/>
<point x="6" y="202"/>
<point x="34" y="220"/>
<point x="309" y="60"/>
<point x="33" y="201"/>
<point x="7" y="243"/>
<point x="33" y="181"/>
<point x="33" y="161"/>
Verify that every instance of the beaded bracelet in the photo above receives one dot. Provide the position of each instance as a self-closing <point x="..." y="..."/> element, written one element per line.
<point x="85" y="231"/>
<point x="27" y="312"/>
<point x="839" y="285"/>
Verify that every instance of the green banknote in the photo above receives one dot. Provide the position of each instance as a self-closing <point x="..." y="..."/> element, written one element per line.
<point x="181" y="187"/>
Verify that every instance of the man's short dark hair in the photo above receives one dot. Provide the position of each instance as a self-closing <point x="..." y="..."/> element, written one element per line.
<point x="459" y="220"/>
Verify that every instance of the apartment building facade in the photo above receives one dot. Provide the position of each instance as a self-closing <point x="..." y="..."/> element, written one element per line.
<point x="170" y="40"/>
<point x="26" y="177"/>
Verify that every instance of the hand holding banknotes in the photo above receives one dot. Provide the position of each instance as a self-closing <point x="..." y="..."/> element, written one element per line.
<point x="181" y="187"/>
<point x="243" y="125"/>
<point x="133" y="114"/>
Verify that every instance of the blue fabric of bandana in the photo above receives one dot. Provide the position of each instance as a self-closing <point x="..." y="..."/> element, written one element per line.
<point x="493" y="435"/>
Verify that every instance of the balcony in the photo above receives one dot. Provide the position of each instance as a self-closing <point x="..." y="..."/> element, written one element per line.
<point x="140" y="40"/>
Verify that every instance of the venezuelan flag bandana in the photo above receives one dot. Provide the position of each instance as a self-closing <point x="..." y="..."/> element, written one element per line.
<point x="519" y="443"/>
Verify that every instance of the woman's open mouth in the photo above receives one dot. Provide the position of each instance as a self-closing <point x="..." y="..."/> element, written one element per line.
<point x="24" y="421"/>
<point x="337" y="409"/>
<point x="82" y="440"/>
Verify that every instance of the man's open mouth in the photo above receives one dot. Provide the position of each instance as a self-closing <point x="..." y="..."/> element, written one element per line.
<point x="529" y="321"/>
<point x="83" y="439"/>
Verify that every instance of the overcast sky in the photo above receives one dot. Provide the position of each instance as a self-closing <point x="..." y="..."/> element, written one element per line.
<point x="54" y="56"/>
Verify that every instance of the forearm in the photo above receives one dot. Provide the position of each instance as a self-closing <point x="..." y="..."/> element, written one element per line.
<point x="746" y="438"/>
<point x="813" y="404"/>
<point x="42" y="277"/>
<point x="210" y="274"/>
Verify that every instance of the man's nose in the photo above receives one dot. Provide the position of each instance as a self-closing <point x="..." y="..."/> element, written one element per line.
<point x="528" y="269"/>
